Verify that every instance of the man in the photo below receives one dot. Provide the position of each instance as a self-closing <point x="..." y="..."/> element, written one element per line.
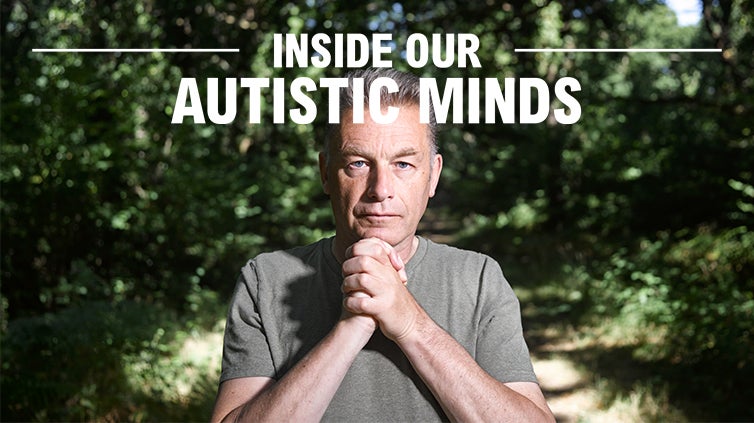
<point x="377" y="324"/>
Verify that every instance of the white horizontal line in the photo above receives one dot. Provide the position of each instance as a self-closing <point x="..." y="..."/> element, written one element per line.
<point x="135" y="50"/>
<point x="618" y="50"/>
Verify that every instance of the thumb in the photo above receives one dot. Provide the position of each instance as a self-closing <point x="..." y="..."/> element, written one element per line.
<point x="396" y="261"/>
<point x="399" y="266"/>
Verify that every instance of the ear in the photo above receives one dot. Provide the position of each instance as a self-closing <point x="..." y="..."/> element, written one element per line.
<point x="323" y="173"/>
<point x="434" y="176"/>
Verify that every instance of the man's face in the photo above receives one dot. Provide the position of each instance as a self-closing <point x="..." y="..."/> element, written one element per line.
<point x="380" y="177"/>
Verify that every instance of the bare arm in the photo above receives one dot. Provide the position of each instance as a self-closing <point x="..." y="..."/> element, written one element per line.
<point x="465" y="391"/>
<point x="304" y="393"/>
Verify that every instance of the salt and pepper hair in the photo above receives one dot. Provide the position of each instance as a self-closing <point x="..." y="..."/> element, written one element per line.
<point x="408" y="94"/>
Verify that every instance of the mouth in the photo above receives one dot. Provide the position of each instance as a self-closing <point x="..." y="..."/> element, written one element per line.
<point x="377" y="216"/>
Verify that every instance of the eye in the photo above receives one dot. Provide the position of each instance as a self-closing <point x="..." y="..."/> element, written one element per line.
<point x="403" y="165"/>
<point x="358" y="164"/>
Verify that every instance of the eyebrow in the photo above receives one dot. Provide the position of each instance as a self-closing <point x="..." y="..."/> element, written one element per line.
<point x="408" y="151"/>
<point x="351" y="150"/>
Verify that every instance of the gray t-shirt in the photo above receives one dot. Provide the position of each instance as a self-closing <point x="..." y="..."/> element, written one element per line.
<point x="285" y="302"/>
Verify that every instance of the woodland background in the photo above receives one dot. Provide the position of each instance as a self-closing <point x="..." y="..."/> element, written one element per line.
<point x="628" y="235"/>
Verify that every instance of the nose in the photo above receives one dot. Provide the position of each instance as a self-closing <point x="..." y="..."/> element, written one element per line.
<point x="380" y="183"/>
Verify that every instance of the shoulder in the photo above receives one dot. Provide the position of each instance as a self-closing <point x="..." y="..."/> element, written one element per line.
<point x="281" y="266"/>
<point x="448" y="255"/>
<point x="478" y="271"/>
<point x="290" y="258"/>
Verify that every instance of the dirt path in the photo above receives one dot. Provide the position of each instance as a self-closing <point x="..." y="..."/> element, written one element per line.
<point x="588" y="375"/>
<point x="567" y="389"/>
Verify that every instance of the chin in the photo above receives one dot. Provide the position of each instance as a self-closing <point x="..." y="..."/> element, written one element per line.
<point x="381" y="233"/>
<point x="391" y="238"/>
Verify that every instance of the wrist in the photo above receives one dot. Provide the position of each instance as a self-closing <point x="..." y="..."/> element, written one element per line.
<point x="417" y="331"/>
<point x="356" y="328"/>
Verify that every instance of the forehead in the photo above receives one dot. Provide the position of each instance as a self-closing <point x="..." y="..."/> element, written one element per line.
<point x="405" y="131"/>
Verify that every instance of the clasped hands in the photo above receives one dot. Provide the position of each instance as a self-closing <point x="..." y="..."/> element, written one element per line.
<point x="374" y="286"/>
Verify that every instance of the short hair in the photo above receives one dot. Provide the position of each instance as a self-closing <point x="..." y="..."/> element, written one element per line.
<point x="408" y="94"/>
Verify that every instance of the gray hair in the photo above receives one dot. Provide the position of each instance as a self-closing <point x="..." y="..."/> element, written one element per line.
<point x="408" y="94"/>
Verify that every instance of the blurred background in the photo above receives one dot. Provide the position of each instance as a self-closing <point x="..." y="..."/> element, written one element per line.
<point x="627" y="236"/>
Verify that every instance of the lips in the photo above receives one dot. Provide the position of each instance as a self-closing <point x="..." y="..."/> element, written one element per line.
<point x="376" y="217"/>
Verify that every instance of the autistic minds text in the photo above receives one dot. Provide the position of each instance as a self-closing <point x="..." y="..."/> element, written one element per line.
<point x="506" y="100"/>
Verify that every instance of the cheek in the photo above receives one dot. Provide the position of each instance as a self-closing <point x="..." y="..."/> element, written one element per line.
<point x="350" y="189"/>
<point x="346" y="197"/>
<point x="416" y="196"/>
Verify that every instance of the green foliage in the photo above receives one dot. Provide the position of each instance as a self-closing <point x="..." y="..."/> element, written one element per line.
<point x="716" y="304"/>
<point x="128" y="361"/>
<point x="695" y="290"/>
<point x="699" y="285"/>
<point x="68" y="365"/>
<point x="102" y="197"/>
<point x="107" y="206"/>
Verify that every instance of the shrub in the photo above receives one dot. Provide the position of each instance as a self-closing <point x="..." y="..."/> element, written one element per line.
<point x="69" y="365"/>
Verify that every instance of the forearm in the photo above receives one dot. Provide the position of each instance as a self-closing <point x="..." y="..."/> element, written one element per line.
<point x="304" y="393"/>
<point x="465" y="391"/>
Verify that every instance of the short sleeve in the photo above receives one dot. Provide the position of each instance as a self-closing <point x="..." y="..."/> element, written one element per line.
<point x="501" y="348"/>
<point x="246" y="351"/>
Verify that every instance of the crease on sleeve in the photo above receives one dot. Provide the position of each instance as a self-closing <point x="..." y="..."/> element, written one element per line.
<point x="246" y="349"/>
<point x="501" y="348"/>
